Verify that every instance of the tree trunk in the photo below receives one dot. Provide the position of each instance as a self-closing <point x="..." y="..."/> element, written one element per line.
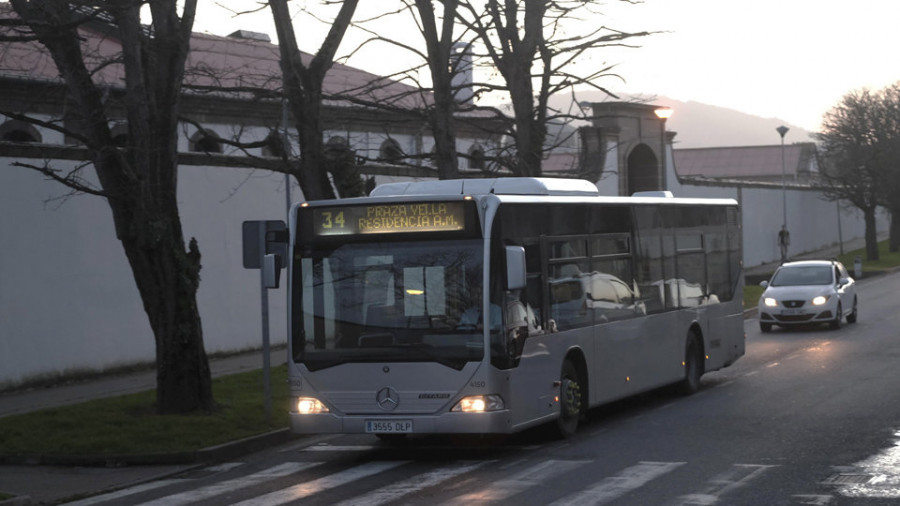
<point x="438" y="45"/>
<point x="894" y="241"/>
<point x="140" y="180"/>
<point x="444" y="134"/>
<point x="313" y="176"/>
<point x="167" y="277"/>
<point x="871" y="234"/>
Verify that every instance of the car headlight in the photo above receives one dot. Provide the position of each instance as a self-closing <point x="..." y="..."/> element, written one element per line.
<point x="770" y="302"/>
<point x="310" y="406"/>
<point x="479" y="404"/>
<point x="821" y="299"/>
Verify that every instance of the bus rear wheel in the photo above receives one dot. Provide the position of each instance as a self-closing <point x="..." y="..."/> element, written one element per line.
<point x="693" y="366"/>
<point x="570" y="401"/>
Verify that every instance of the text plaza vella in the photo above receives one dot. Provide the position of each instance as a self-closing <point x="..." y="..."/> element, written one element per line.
<point x="390" y="218"/>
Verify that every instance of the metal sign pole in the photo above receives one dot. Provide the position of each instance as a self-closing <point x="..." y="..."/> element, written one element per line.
<point x="264" y="296"/>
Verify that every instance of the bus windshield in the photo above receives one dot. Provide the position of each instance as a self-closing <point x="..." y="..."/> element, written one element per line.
<point x="404" y="301"/>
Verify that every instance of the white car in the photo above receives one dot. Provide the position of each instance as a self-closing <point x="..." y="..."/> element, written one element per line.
<point x="808" y="292"/>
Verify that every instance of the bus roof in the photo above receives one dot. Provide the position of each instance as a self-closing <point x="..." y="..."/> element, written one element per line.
<point x="520" y="189"/>
<point x="496" y="186"/>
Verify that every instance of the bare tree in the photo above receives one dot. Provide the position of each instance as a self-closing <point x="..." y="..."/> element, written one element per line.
<point x="303" y="87"/>
<point x="533" y="44"/>
<point x="439" y="47"/>
<point x="138" y="179"/>
<point x="853" y="154"/>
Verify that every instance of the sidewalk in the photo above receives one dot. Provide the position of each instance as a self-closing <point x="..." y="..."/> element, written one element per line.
<point x="50" y="484"/>
<point x="110" y="386"/>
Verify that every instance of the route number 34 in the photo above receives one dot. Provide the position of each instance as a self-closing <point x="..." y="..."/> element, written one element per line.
<point x="329" y="219"/>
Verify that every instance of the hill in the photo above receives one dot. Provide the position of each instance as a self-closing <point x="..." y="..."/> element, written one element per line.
<point x="701" y="125"/>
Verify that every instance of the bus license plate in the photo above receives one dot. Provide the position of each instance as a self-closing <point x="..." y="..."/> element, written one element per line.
<point x="389" y="426"/>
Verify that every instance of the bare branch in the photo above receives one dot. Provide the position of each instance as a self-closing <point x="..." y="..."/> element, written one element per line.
<point x="72" y="179"/>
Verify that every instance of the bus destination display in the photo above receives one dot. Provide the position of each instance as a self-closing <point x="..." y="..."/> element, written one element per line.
<point x="390" y="218"/>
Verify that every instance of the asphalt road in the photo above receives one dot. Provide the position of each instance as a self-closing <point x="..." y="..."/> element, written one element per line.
<point x="809" y="416"/>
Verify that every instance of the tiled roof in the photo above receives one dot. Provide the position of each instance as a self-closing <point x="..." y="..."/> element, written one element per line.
<point x="214" y="61"/>
<point x="743" y="161"/>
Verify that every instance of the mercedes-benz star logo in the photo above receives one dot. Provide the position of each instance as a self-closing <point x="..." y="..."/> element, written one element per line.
<point x="387" y="398"/>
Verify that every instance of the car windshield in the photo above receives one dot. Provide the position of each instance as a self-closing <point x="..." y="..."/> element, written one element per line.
<point x="800" y="275"/>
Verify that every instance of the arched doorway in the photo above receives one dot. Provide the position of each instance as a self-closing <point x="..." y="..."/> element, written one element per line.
<point x="643" y="170"/>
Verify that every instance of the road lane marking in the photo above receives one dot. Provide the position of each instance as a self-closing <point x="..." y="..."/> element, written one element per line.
<point x="223" y="487"/>
<point x="501" y="490"/>
<point x="137" y="489"/>
<point x="307" y="489"/>
<point x="338" y="448"/>
<point x="411" y="485"/>
<point x="613" y="487"/>
<point x="722" y="484"/>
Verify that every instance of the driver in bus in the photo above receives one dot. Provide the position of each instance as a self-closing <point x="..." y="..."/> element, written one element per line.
<point x="471" y="318"/>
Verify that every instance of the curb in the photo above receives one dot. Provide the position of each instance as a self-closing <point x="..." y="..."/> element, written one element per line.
<point x="224" y="451"/>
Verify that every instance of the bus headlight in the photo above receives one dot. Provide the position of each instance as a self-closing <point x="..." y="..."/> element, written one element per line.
<point x="479" y="404"/>
<point x="821" y="299"/>
<point x="310" y="406"/>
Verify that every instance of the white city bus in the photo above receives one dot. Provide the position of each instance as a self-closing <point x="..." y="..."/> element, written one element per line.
<point x="588" y="299"/>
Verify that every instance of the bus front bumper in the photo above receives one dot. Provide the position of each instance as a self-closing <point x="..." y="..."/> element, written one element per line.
<point x="493" y="422"/>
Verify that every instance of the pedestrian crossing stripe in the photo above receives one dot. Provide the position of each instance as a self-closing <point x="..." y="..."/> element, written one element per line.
<point x="519" y="482"/>
<point x="413" y="484"/>
<point x="223" y="487"/>
<point x="307" y="489"/>
<point x="613" y="487"/>
<point x="530" y="474"/>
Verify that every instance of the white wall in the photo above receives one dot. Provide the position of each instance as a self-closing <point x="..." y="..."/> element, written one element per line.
<point x="68" y="301"/>
<point x="811" y="220"/>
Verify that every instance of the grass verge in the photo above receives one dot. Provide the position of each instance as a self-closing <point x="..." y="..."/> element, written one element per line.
<point x="128" y="425"/>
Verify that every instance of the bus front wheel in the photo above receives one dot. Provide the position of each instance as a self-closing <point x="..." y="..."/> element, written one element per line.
<point x="570" y="401"/>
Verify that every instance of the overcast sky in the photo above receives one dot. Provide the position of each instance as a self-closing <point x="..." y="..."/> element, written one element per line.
<point x="786" y="59"/>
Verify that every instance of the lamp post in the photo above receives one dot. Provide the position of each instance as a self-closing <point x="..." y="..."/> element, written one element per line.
<point x="663" y="113"/>
<point x="783" y="235"/>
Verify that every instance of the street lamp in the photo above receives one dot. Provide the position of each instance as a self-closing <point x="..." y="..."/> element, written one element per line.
<point x="784" y="238"/>
<point x="663" y="113"/>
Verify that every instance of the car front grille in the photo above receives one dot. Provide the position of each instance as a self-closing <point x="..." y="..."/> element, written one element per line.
<point x="793" y="303"/>
<point x="794" y="318"/>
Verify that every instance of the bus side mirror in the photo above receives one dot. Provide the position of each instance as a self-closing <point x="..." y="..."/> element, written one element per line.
<point x="515" y="267"/>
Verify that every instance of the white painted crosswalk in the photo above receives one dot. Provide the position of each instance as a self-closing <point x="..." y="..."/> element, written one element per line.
<point x="613" y="487"/>
<point x="226" y="486"/>
<point x="453" y="483"/>
<point x="303" y="490"/>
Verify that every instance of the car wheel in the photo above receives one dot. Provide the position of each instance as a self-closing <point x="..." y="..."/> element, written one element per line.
<point x="851" y="318"/>
<point x="571" y="404"/>
<point x="693" y="366"/>
<point x="836" y="323"/>
<point x="765" y="327"/>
